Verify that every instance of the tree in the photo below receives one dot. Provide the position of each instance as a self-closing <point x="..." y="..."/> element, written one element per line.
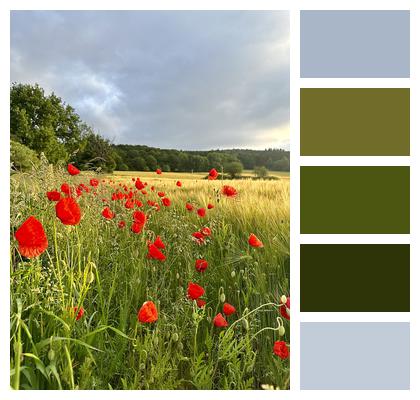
<point x="234" y="169"/>
<point x="22" y="158"/>
<point x="97" y="153"/>
<point x="261" y="171"/>
<point x="151" y="162"/>
<point x="44" y="123"/>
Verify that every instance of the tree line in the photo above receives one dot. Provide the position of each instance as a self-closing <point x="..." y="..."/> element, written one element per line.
<point x="41" y="123"/>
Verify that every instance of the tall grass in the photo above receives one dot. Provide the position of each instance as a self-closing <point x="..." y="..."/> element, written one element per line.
<point x="104" y="269"/>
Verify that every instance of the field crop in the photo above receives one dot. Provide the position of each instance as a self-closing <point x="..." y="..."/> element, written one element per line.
<point x="75" y="320"/>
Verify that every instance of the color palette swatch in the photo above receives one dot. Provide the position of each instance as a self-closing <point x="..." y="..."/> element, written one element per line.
<point x="348" y="355"/>
<point x="355" y="122"/>
<point x="355" y="44"/>
<point x="354" y="199"/>
<point x="365" y="274"/>
<point x="355" y="277"/>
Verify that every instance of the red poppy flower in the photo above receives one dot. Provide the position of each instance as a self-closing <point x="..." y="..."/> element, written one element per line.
<point x="152" y="188"/>
<point x="166" y="202"/>
<point x="94" y="182"/>
<point x="219" y="321"/>
<point x="140" y="218"/>
<point x="195" y="291"/>
<point x="254" y="241"/>
<point x="107" y="213"/>
<point x="213" y="174"/>
<point x="179" y="183"/>
<point x="78" y="313"/>
<point x="83" y="187"/>
<point x="121" y="224"/>
<point x="285" y="309"/>
<point x="200" y="303"/>
<point x="68" y="211"/>
<point x="72" y="169"/>
<point x="139" y="184"/>
<point x="65" y="188"/>
<point x="199" y="237"/>
<point x="161" y="194"/>
<point x="158" y="171"/>
<point x="201" y="212"/>
<point x="129" y="204"/>
<point x="138" y="203"/>
<point x="210" y="206"/>
<point x="31" y="238"/>
<point x="53" y="195"/>
<point x="78" y="191"/>
<point x="136" y="227"/>
<point x="280" y="349"/>
<point x="147" y="313"/>
<point x="206" y="231"/>
<point x="201" y="265"/>
<point x="155" y="253"/>
<point x="158" y="243"/>
<point x="229" y="191"/>
<point x="228" y="309"/>
<point x="189" y="207"/>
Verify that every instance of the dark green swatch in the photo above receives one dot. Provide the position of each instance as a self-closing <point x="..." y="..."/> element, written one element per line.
<point x="355" y="199"/>
<point x="355" y="122"/>
<point x="354" y="277"/>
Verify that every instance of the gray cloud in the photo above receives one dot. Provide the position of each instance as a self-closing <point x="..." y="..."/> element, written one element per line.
<point x="191" y="80"/>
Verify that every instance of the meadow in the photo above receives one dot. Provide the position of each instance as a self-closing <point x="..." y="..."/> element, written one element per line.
<point x="75" y="320"/>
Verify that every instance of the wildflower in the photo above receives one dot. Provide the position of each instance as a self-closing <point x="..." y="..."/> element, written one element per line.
<point x="107" y="213"/>
<point x="158" y="243"/>
<point x="66" y="189"/>
<point x="140" y="218"/>
<point x="285" y="309"/>
<point x="206" y="231"/>
<point x="210" y="206"/>
<point x="136" y="227"/>
<point x="31" y="238"/>
<point x="121" y="224"/>
<point x="72" y="169"/>
<point x="139" y="184"/>
<point x="129" y="204"/>
<point x="201" y="265"/>
<point x="147" y="313"/>
<point x="229" y="191"/>
<point x="219" y="321"/>
<point x="54" y="195"/>
<point x="94" y="182"/>
<point x="179" y="183"/>
<point x="254" y="241"/>
<point x="213" y="174"/>
<point x="68" y="211"/>
<point x="155" y="253"/>
<point x="200" y="303"/>
<point x="280" y="349"/>
<point x="78" y="312"/>
<point x="199" y="237"/>
<point x="166" y="202"/>
<point x="228" y="309"/>
<point x="195" y="291"/>
<point x="189" y="207"/>
<point x="201" y="212"/>
<point x="161" y="194"/>
<point x="158" y="171"/>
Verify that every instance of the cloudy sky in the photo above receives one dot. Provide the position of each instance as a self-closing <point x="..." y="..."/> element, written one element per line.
<point x="174" y="79"/>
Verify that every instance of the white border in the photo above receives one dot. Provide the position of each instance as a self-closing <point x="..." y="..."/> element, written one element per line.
<point x="295" y="84"/>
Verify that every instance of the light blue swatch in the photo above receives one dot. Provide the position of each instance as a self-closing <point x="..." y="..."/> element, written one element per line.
<point x="355" y="44"/>
<point x="355" y="355"/>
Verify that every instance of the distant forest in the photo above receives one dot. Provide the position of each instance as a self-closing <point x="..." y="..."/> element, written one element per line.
<point x="45" y="124"/>
<point x="144" y="158"/>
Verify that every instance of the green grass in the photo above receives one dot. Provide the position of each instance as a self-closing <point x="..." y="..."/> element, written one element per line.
<point x="105" y="270"/>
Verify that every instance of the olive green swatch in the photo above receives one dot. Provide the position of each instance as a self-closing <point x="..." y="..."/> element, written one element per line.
<point x="354" y="277"/>
<point x="354" y="199"/>
<point x="355" y="122"/>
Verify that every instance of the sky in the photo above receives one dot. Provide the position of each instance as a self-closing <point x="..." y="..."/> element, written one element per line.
<point x="191" y="80"/>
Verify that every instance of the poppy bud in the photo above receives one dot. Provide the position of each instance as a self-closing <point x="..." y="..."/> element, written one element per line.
<point x="232" y="274"/>
<point x="177" y="275"/>
<point x="142" y="366"/>
<point x="51" y="355"/>
<point x="283" y="299"/>
<point x="222" y="298"/>
<point x="245" y="324"/>
<point x="92" y="277"/>
<point x="180" y="346"/>
<point x="175" y="337"/>
<point x="282" y="331"/>
<point x="155" y="340"/>
<point x="144" y="354"/>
